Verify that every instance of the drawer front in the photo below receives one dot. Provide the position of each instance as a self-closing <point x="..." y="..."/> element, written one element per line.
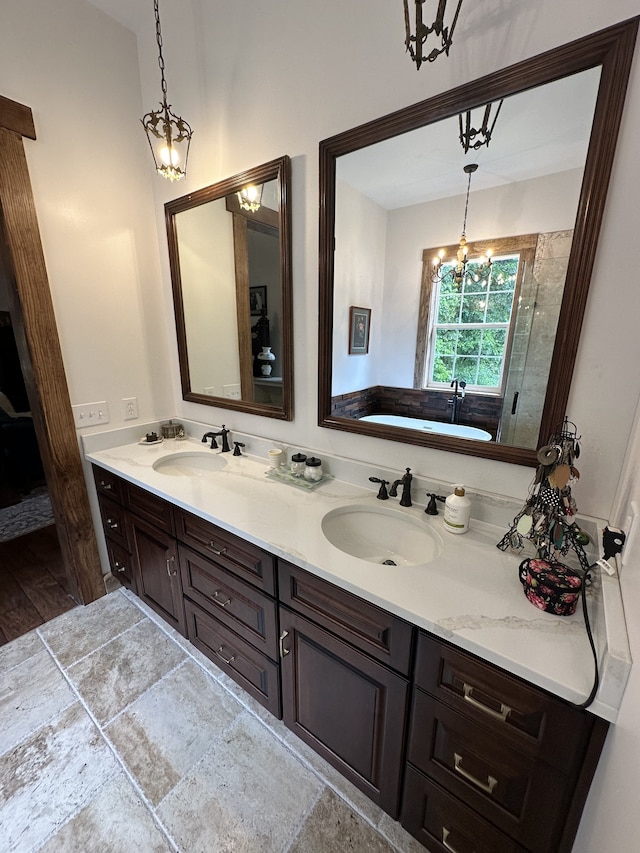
<point x="532" y="720"/>
<point x="372" y="630"/>
<point x="253" y="671"/>
<point x="442" y="823"/>
<point x="153" y="509"/>
<point x="519" y="795"/>
<point x="108" y="484"/>
<point x="247" y="561"/>
<point x="243" y="608"/>
<point x="113" y="522"/>
<point x="121" y="563"/>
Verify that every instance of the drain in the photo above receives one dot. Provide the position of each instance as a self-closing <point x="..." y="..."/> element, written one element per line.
<point x="389" y="563"/>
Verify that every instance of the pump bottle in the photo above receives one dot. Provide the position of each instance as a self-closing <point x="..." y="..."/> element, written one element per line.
<point x="457" y="510"/>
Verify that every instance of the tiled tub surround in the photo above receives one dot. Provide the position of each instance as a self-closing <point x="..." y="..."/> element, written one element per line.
<point x="118" y="735"/>
<point x="469" y="595"/>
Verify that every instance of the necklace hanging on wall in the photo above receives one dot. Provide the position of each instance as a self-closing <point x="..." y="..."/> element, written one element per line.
<point x="547" y="518"/>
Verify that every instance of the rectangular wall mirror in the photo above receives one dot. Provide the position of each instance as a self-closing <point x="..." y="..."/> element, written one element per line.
<point x="230" y="260"/>
<point x="480" y="363"/>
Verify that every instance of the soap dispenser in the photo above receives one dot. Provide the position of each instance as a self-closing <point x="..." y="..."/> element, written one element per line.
<point x="457" y="510"/>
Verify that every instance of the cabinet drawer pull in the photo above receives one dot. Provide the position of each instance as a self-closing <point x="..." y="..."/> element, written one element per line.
<point x="106" y="486"/>
<point x="282" y="638"/>
<point x="222" y="657"/>
<point x="111" y="524"/>
<point x="171" y="572"/>
<point x="445" y="843"/>
<point x="118" y="567"/>
<point x="221" y="603"/>
<point x="501" y="715"/>
<point x="487" y="786"/>
<point x="217" y="551"/>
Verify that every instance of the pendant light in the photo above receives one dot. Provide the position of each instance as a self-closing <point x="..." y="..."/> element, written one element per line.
<point x="415" y="41"/>
<point x="169" y="135"/>
<point x="250" y="197"/>
<point x="474" y="138"/>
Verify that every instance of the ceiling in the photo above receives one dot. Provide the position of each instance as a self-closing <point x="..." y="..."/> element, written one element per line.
<point x="133" y="14"/>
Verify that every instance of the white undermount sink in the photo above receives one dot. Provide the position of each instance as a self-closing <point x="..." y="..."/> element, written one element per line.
<point x="382" y="535"/>
<point x="190" y="463"/>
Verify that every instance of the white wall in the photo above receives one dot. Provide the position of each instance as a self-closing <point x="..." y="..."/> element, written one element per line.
<point x="301" y="72"/>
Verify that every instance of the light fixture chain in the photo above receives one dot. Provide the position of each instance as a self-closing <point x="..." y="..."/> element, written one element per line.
<point x="163" y="82"/>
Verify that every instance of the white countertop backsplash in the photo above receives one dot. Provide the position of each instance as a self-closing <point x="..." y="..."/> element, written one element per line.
<point x="469" y="595"/>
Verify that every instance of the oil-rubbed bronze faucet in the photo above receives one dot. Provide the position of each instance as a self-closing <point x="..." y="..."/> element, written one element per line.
<point x="224" y="434"/>
<point x="406" y="479"/>
<point x="212" y="436"/>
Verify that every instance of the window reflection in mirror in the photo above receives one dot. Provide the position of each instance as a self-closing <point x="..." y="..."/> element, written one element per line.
<point x="229" y="254"/>
<point x="393" y="193"/>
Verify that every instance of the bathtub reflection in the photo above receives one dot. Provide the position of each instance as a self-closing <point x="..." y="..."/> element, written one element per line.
<point x="437" y="427"/>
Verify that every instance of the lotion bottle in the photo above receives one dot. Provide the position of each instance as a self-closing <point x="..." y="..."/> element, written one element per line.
<point x="457" y="509"/>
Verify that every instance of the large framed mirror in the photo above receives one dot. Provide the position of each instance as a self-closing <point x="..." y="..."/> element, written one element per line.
<point x="230" y="260"/>
<point x="465" y="355"/>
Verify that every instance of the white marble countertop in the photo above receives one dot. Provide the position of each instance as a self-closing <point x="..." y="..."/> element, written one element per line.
<point x="469" y="594"/>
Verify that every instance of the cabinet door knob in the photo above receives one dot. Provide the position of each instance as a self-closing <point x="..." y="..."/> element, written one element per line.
<point x="221" y="603"/>
<point x="172" y="572"/>
<point x="445" y="843"/>
<point x="487" y="786"/>
<point x="223" y="658"/>
<point x="501" y="715"/>
<point x="282" y="638"/>
<point x="217" y="551"/>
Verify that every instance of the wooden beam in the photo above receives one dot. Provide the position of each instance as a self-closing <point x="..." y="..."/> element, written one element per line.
<point x="41" y="359"/>
<point x="17" y="118"/>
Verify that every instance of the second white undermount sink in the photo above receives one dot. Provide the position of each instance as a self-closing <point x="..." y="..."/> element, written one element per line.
<point x="190" y="463"/>
<point x="382" y="535"/>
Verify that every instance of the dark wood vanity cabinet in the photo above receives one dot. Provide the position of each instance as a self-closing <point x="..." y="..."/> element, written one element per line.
<point x="229" y="586"/>
<point x="339" y="693"/>
<point x="493" y="763"/>
<point x="470" y="757"/>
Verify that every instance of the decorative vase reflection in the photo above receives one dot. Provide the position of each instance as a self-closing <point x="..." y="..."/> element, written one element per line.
<point x="266" y="356"/>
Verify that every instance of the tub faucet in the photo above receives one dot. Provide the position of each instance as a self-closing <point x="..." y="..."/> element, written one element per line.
<point x="406" y="479"/>
<point x="212" y="436"/>
<point x="456" y="401"/>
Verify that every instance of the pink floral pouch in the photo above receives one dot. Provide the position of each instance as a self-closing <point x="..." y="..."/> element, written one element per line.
<point x="552" y="587"/>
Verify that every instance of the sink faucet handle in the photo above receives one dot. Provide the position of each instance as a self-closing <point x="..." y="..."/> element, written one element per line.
<point x="236" y="448"/>
<point x="432" y="509"/>
<point x="382" y="492"/>
<point x="212" y="436"/>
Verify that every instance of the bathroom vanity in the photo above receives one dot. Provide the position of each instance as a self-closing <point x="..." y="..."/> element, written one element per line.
<point x="437" y="689"/>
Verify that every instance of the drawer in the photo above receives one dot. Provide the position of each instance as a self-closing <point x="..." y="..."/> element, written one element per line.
<point x="533" y="721"/>
<point x="108" y="484"/>
<point x="113" y="522"/>
<point x="253" y="671"/>
<point x="243" y="608"/>
<point x="372" y="630"/>
<point x="442" y="823"/>
<point x="150" y="507"/>
<point x="247" y="561"/>
<point x="121" y="563"/>
<point x="521" y="796"/>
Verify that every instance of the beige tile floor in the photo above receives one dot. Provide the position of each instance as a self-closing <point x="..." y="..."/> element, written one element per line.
<point x="117" y="735"/>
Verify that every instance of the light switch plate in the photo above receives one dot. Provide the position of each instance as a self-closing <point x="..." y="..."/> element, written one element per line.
<point x="90" y="414"/>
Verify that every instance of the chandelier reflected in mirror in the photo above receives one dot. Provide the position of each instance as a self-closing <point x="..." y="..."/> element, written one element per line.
<point x="416" y="36"/>
<point x="250" y="197"/>
<point x="169" y="135"/>
<point x="444" y="270"/>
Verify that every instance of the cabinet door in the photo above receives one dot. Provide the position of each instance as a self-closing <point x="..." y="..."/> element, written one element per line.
<point x="121" y="563"/>
<point x="348" y="707"/>
<point x="156" y="567"/>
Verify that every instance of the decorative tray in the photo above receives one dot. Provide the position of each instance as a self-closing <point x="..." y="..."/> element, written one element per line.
<point x="285" y="476"/>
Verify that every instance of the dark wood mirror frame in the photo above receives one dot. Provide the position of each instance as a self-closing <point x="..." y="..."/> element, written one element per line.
<point x="610" y="49"/>
<point x="280" y="171"/>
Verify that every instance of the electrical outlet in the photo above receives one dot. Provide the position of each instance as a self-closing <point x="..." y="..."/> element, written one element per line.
<point x="130" y="408"/>
<point x="231" y="392"/>
<point x="210" y="391"/>
<point x="90" y="414"/>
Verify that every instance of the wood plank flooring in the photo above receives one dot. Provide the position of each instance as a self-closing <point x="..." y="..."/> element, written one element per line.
<point x="33" y="585"/>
